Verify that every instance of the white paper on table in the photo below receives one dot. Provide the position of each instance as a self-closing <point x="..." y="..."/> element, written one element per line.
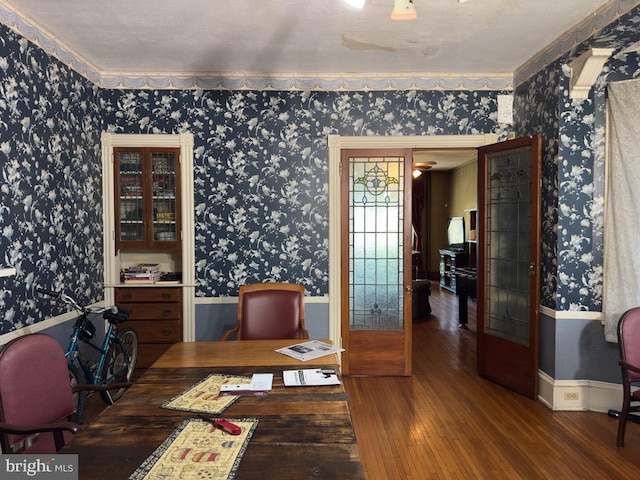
<point x="309" y="377"/>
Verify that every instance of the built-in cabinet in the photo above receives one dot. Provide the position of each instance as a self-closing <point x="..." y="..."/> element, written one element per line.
<point x="148" y="189"/>
<point x="147" y="228"/>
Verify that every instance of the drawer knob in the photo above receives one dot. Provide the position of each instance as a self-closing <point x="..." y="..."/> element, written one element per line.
<point x="166" y="295"/>
<point x="128" y="296"/>
<point x="166" y="312"/>
<point x="166" y="332"/>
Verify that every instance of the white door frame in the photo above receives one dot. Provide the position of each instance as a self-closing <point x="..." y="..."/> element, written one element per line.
<point x="336" y="144"/>
<point x="184" y="141"/>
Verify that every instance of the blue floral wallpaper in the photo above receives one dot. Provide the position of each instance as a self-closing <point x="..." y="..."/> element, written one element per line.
<point x="573" y="167"/>
<point x="261" y="173"/>
<point x="50" y="183"/>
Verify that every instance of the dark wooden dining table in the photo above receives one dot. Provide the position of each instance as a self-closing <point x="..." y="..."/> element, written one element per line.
<point x="303" y="432"/>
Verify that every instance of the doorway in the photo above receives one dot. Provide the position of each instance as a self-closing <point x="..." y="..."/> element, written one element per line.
<point x="338" y="143"/>
<point x="376" y="261"/>
<point x="445" y="188"/>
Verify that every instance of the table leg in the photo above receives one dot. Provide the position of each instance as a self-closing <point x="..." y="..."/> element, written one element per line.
<point x="462" y="307"/>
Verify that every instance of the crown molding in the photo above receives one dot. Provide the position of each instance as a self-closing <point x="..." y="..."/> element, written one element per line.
<point x="37" y="34"/>
<point x="572" y="38"/>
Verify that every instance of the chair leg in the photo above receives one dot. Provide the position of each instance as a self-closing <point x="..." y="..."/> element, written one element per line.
<point x="622" y="424"/>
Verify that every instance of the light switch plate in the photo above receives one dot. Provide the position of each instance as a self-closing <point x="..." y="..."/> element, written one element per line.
<point x="7" y="272"/>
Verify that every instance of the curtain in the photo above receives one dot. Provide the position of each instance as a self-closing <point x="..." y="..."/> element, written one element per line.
<point x="621" y="276"/>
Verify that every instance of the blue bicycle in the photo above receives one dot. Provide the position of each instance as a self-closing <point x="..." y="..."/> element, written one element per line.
<point x="117" y="353"/>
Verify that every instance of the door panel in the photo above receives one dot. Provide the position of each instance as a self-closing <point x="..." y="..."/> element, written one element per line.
<point x="376" y="262"/>
<point x="509" y="187"/>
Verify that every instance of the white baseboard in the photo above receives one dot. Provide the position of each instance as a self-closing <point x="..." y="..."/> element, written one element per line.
<point x="579" y="395"/>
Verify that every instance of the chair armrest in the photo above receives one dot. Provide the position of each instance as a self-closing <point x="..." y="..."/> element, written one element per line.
<point x="628" y="366"/>
<point x="45" y="427"/>
<point x="226" y="335"/>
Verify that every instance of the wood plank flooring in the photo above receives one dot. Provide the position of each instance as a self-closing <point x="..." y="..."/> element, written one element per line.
<point x="445" y="422"/>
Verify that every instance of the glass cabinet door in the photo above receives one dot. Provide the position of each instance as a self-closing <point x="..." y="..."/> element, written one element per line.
<point x="130" y="202"/>
<point x="147" y="187"/>
<point x="164" y="198"/>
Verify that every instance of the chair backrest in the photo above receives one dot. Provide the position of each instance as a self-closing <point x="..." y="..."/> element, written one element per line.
<point x="629" y="340"/>
<point x="34" y="384"/>
<point x="268" y="311"/>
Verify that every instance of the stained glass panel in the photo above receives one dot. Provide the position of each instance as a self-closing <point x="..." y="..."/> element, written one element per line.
<point x="376" y="243"/>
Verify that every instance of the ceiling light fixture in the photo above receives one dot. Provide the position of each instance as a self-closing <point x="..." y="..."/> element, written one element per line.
<point x="356" y="3"/>
<point x="420" y="167"/>
<point x="404" y="10"/>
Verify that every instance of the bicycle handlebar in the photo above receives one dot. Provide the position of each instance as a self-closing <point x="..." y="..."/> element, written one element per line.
<point x="70" y="301"/>
<point x="44" y="291"/>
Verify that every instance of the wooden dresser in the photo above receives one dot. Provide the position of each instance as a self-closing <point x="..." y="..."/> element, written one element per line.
<point x="156" y="315"/>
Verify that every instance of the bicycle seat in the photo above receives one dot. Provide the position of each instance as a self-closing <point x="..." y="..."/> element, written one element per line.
<point x="116" y="317"/>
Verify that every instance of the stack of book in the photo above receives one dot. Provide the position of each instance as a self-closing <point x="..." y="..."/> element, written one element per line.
<point x="141" y="273"/>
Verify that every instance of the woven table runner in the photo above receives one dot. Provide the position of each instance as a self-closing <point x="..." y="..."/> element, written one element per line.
<point x="204" y="396"/>
<point x="198" y="450"/>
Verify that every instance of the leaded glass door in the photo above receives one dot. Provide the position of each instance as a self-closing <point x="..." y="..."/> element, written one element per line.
<point x="509" y="263"/>
<point x="376" y="262"/>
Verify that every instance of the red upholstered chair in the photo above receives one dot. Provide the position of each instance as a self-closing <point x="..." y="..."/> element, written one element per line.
<point x="36" y="396"/>
<point x="269" y="311"/>
<point x="629" y="346"/>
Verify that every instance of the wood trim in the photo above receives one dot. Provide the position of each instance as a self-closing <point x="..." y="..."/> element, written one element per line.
<point x="185" y="142"/>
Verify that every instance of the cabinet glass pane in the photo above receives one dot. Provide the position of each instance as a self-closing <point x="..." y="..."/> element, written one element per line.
<point x="163" y="199"/>
<point x="131" y="207"/>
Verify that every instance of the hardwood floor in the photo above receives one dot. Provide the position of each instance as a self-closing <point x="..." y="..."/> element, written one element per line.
<point x="445" y="422"/>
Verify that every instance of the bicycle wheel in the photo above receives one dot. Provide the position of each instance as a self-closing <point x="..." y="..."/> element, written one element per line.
<point x="119" y="363"/>
<point x="76" y="377"/>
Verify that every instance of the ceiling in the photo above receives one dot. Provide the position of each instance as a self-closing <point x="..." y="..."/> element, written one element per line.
<point x="300" y="43"/>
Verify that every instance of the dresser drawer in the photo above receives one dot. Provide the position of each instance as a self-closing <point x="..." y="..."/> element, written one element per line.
<point x="151" y="311"/>
<point x="163" y="331"/>
<point x="150" y="294"/>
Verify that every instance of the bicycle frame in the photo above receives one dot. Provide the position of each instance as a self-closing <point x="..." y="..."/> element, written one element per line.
<point x="92" y="371"/>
